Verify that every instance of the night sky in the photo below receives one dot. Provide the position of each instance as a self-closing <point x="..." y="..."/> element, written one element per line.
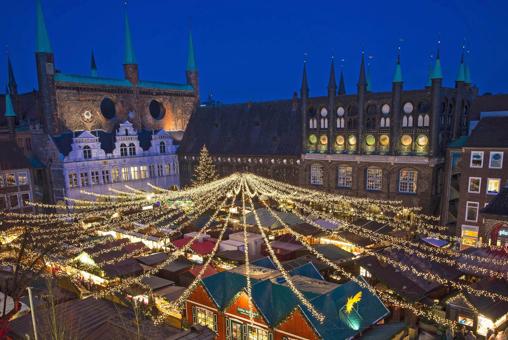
<point x="253" y="50"/>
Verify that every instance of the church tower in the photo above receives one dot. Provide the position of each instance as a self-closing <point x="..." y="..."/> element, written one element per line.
<point x="44" y="60"/>
<point x="191" y="71"/>
<point x="130" y="65"/>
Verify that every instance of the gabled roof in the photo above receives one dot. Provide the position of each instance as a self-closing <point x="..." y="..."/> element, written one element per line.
<point x="493" y="309"/>
<point x="268" y="221"/>
<point x="223" y="286"/>
<point x="265" y="262"/>
<point x="307" y="270"/>
<point x="490" y="132"/>
<point x="266" y="128"/>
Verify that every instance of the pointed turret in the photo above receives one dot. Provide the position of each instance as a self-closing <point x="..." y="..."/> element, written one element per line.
<point x="304" y="90"/>
<point x="130" y="66"/>
<point x="9" y="109"/>
<point x="191" y="70"/>
<point x="461" y="74"/>
<point x="9" y="114"/>
<point x="369" y="81"/>
<point x="130" y="57"/>
<point x="332" y="83"/>
<point x="467" y="72"/>
<point x="11" y="84"/>
<point x="93" y="65"/>
<point x="42" y="40"/>
<point x="397" y="76"/>
<point x="362" y="79"/>
<point x="429" y="76"/>
<point x="436" y="71"/>
<point x="342" y="85"/>
<point x="191" y="58"/>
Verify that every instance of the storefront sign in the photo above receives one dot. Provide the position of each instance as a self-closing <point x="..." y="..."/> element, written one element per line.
<point x="247" y="312"/>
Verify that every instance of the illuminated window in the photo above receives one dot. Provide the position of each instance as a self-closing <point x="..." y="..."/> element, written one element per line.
<point x="345" y="176"/>
<point x="125" y="174"/>
<point x="143" y="171"/>
<point x="87" y="152"/>
<point x="426" y="120"/>
<point x="95" y="177"/>
<point x="472" y="211"/>
<point x="204" y="317"/>
<point x="162" y="147"/>
<point x="105" y="177"/>
<point x="167" y="168"/>
<point x="496" y="160"/>
<point x="324" y="123"/>
<point x="364" y="272"/>
<point x="374" y="179"/>
<point x="22" y="178"/>
<point x="474" y="185"/>
<point x="84" y="179"/>
<point x="115" y="175"/>
<point x="407" y="181"/>
<point x="469" y="235"/>
<point x="73" y="180"/>
<point x="493" y="186"/>
<point x="476" y="159"/>
<point x="10" y="179"/>
<point x="151" y="169"/>
<point x="123" y="150"/>
<point x="420" y="121"/>
<point x="464" y="320"/>
<point x="387" y="122"/>
<point x="316" y="174"/>
<point x="256" y="333"/>
<point x="340" y="123"/>
<point x="134" y="172"/>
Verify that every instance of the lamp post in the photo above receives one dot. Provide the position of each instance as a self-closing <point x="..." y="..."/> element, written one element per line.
<point x="32" y="311"/>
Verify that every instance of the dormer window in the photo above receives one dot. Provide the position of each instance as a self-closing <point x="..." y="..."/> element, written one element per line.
<point x="123" y="150"/>
<point x="162" y="147"/>
<point x="87" y="152"/>
<point x="132" y="149"/>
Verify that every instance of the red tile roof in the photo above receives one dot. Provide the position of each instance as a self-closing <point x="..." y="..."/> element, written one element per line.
<point x="204" y="247"/>
<point x="210" y="270"/>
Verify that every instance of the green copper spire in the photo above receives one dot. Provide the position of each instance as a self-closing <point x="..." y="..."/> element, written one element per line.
<point x="12" y="81"/>
<point x="461" y="74"/>
<point x="93" y="65"/>
<point x="191" y="58"/>
<point x="43" y="45"/>
<point x="130" y="57"/>
<point x="436" y="72"/>
<point x="369" y="81"/>
<point x="467" y="74"/>
<point x="9" y="110"/>
<point x="397" y="76"/>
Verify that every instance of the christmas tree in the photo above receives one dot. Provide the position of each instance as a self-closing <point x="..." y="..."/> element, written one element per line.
<point x="205" y="172"/>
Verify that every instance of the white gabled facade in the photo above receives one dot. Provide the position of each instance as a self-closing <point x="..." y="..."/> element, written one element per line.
<point x="99" y="161"/>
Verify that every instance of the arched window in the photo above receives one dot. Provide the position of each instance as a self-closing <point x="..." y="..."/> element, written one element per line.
<point x="344" y="176"/>
<point x="123" y="150"/>
<point x="374" y="179"/>
<point x="420" y="120"/>
<point x="132" y="149"/>
<point x="316" y="174"/>
<point x="404" y="121"/>
<point x="162" y="147"/>
<point x="410" y="121"/>
<point x="324" y="123"/>
<point x="426" y="120"/>
<point x="340" y="123"/>
<point x="87" y="152"/>
<point x="407" y="181"/>
<point x="387" y="122"/>
<point x="382" y="122"/>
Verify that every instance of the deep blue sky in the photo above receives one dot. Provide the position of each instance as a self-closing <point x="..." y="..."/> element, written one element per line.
<point x="253" y="50"/>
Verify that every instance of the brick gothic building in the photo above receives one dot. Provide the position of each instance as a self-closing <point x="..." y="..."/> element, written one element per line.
<point x="66" y="102"/>
<point x="387" y="145"/>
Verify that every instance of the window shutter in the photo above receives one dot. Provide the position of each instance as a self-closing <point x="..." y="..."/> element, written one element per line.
<point x="214" y="322"/>
<point x="194" y="316"/>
